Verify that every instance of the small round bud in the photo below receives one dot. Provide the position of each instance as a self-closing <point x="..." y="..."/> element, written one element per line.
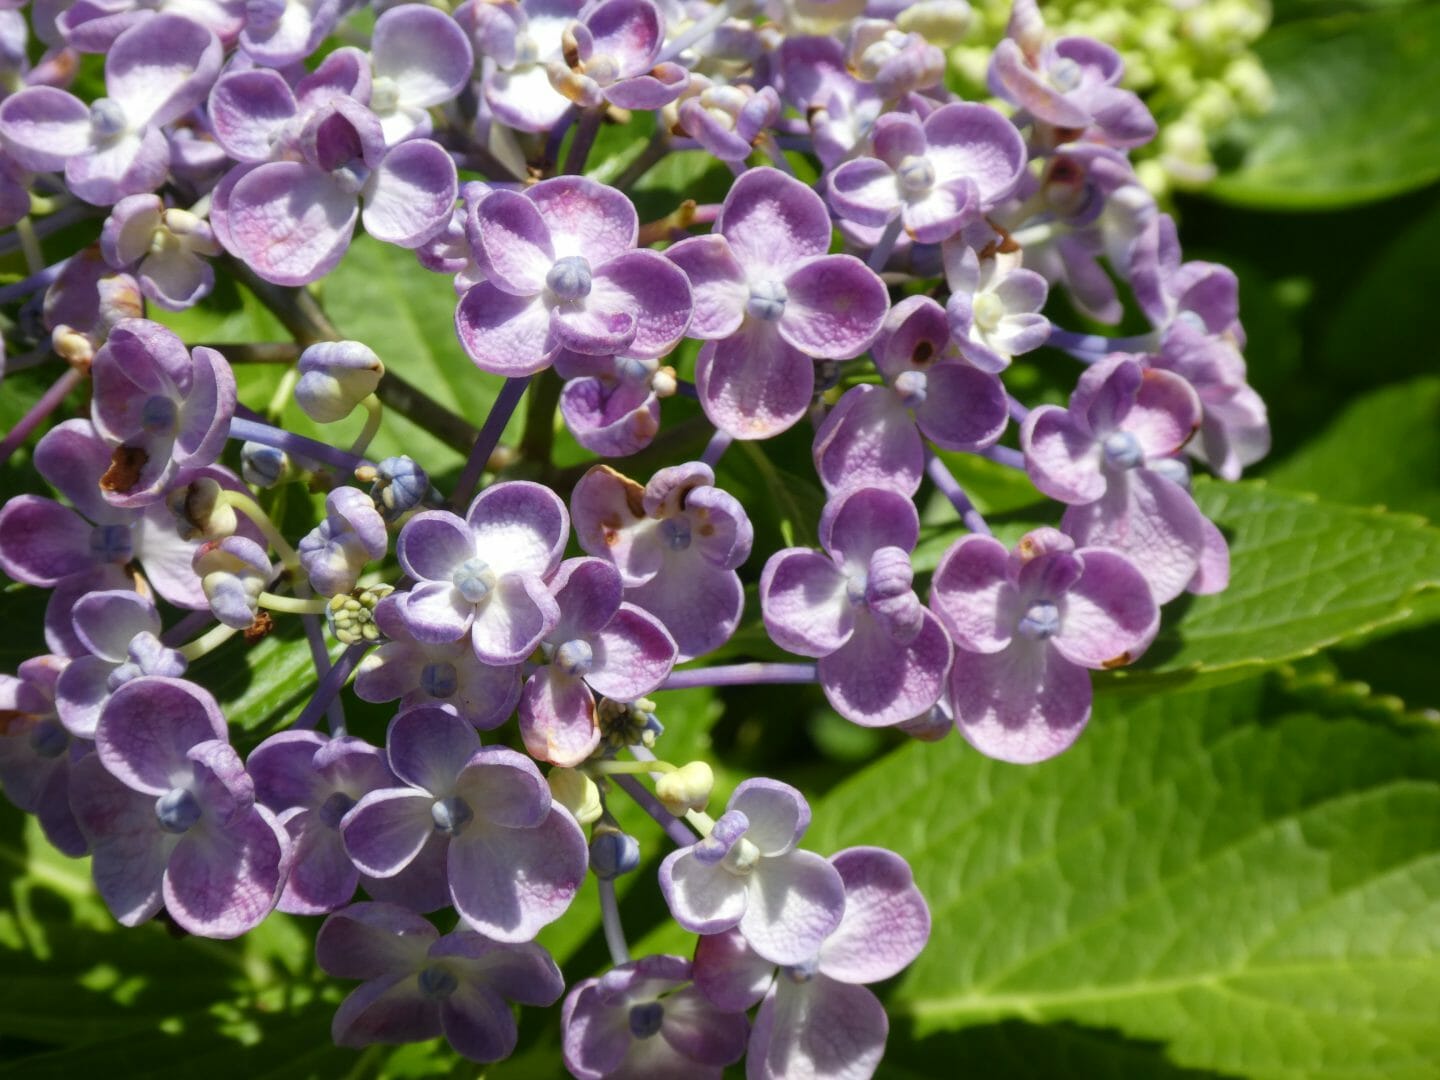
<point x="930" y="726"/>
<point x="577" y="793"/>
<point x="335" y="376"/>
<point x="199" y="513"/>
<point x="352" y="615"/>
<point x="613" y="853"/>
<point x="687" y="788"/>
<point x="400" y="486"/>
<point x="261" y="465"/>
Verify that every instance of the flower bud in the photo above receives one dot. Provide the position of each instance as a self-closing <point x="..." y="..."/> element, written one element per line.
<point x="613" y="853"/>
<point x="687" y="788"/>
<point x="335" y="376"/>
<point x="400" y="485"/>
<point x="577" y="793"/>
<point x="261" y="465"/>
<point x="233" y="573"/>
<point x="199" y="513"/>
<point x="352" y="615"/>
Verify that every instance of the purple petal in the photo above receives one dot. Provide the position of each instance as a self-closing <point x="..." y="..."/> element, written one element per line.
<point x="1165" y="415"/>
<point x="632" y="655"/>
<point x="586" y="218"/>
<point x="520" y="527"/>
<point x="408" y="199"/>
<point x="81" y="692"/>
<point x="478" y="1023"/>
<point x="290" y="222"/>
<point x="129" y="850"/>
<point x="43" y="127"/>
<point x="651" y="288"/>
<point x="129" y="165"/>
<point x="588" y="592"/>
<point x="366" y="941"/>
<point x="754" y="384"/>
<point x="699" y="606"/>
<point x="509" y="883"/>
<point x="247" y="110"/>
<point x="886" y="922"/>
<point x="283" y="768"/>
<point x="835" y="308"/>
<point x="1062" y="460"/>
<point x="504" y="789"/>
<point x="875" y="681"/>
<point x="822" y="1027"/>
<point x="557" y="718"/>
<point x="776" y="813"/>
<point x="730" y="973"/>
<point x="161" y="69"/>
<point x="704" y="898"/>
<point x="424" y="52"/>
<point x="803" y="601"/>
<point x="148" y="727"/>
<point x="795" y="901"/>
<point x="435" y="613"/>
<point x="864" y="190"/>
<point x="1023" y="704"/>
<point x="428" y="747"/>
<point x="773" y="221"/>
<point x="519" y="613"/>
<point x="629" y="31"/>
<point x="432" y="544"/>
<point x="1109" y="616"/>
<point x="388" y="1009"/>
<point x="511" y="242"/>
<point x="42" y="542"/>
<point x="607" y="509"/>
<point x="610" y="419"/>
<point x="855" y="526"/>
<point x="322" y="877"/>
<point x="503" y="334"/>
<point x="72" y="457"/>
<point x="964" y="408"/>
<point x="385" y="830"/>
<point x="868" y="440"/>
<point x="717" y="282"/>
<point x="972" y="593"/>
<point x="222" y="882"/>
<point x="977" y="143"/>
<point x="107" y="621"/>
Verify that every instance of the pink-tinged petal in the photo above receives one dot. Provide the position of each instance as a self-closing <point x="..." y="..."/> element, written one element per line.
<point x="586" y="218"/>
<point x="385" y="830"/>
<point x="557" y="718"/>
<point x="588" y="592"/>
<point x="432" y="544"/>
<point x="129" y="849"/>
<point x="424" y="52"/>
<point x="886" y="922"/>
<point x="519" y="527"/>
<point x="511" y="241"/>
<point x="129" y="165"/>
<point x="773" y="221"/>
<point x="1165" y="415"/>
<point x="864" y="190"/>
<point x="795" y="901"/>
<point x="385" y="1010"/>
<point x="428" y="746"/>
<point x="1213" y="573"/>
<point x="610" y="419"/>
<point x="1108" y="617"/>
<point x="42" y="541"/>
<point x="504" y="334"/>
<point x="1062" y="460"/>
<point x="651" y="288"/>
<point x="868" y="440"/>
<point x="435" y="613"/>
<point x="722" y="534"/>
<point x="964" y="407"/>
<point x="408" y="199"/>
<point x="875" y="681"/>
<point x="519" y="613"/>
<point x="510" y="883"/>
<point x="820" y="1028"/>
<point x="478" y="1023"/>
<point x="610" y="521"/>
<point x="207" y="411"/>
<point x="699" y="606"/>
<point x="43" y="127"/>
<point x="717" y="282"/>
<point x="972" y="593"/>
<point x="730" y="973"/>
<point x="754" y="384"/>
<point x="589" y="329"/>
<point x="941" y="213"/>
<point x="72" y="457"/>
<point x="977" y="143"/>
<point x="504" y="789"/>
<point x="290" y="222"/>
<point x="221" y="883"/>
<point x="629" y="31"/>
<point x="367" y="940"/>
<point x="914" y="333"/>
<point x="1022" y="705"/>
<point x="161" y="69"/>
<point x="247" y="109"/>
<point x="1152" y="520"/>
<point x="803" y="601"/>
<point x="836" y="306"/>
<point x="776" y="813"/>
<point x="704" y="898"/>
<point x="148" y="727"/>
<point x="855" y="526"/>
<point x="632" y="655"/>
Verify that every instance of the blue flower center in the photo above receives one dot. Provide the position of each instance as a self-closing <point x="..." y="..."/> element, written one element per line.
<point x="646" y="1018"/>
<point x="911" y="386"/>
<point x="916" y="175"/>
<point x="107" y="118"/>
<point x="49" y="739"/>
<point x="111" y="543"/>
<point x="1065" y="74"/>
<point x="575" y="657"/>
<point x="1040" y="621"/>
<point x="802" y="972"/>
<point x="451" y="815"/>
<point x="438" y="982"/>
<point x="569" y="278"/>
<point x="177" y="810"/>
<point x="474" y="579"/>
<point x="856" y="585"/>
<point x="767" y="300"/>
<point x="440" y="679"/>
<point x="159" y="416"/>
<point x="334" y="808"/>
<point x="675" y="532"/>
<point x="1122" y="450"/>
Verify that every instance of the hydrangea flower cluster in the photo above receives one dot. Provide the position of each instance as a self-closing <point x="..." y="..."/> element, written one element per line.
<point x="883" y="256"/>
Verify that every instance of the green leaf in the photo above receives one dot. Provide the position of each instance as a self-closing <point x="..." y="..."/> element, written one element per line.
<point x="1305" y="575"/>
<point x="263" y="685"/>
<point x="1252" y="885"/>
<point x="1351" y="120"/>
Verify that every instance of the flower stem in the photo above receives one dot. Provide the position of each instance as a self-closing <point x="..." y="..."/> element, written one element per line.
<point x="192" y="623"/>
<point x="209" y="641"/>
<point x="296" y="445"/>
<point x="718" y="444"/>
<point x="374" y="413"/>
<point x="627" y="768"/>
<point x="293" y="605"/>
<point x="740" y="675"/>
<point x="673" y="826"/>
<point x="585" y="132"/>
<point x="1003" y="455"/>
<point x="610" y="921"/>
<point x="329" y="686"/>
<point x="256" y="513"/>
<point x="30" y="245"/>
<point x="488" y="438"/>
<point x="41" y="277"/>
<point x="951" y="489"/>
<point x="1018" y="412"/>
<point x="880" y="253"/>
<point x="48" y="403"/>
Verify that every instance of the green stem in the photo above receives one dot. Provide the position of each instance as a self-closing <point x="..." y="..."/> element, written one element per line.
<point x="374" y="413"/>
<point x="253" y="510"/>
<point x="207" y="642"/>
<point x="294" y="605"/>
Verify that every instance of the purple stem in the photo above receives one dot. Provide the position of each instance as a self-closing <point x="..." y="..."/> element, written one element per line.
<point x="297" y="445"/>
<point x="329" y="686"/>
<point x="335" y="711"/>
<point x="48" y="403"/>
<point x="1003" y="455"/>
<point x="951" y="489"/>
<point x="1091" y="347"/>
<point x="673" y="826"/>
<point x="740" y="675"/>
<point x="33" y="283"/>
<point x="718" y="444"/>
<point x="61" y="219"/>
<point x="488" y="438"/>
<point x="192" y="625"/>
<point x="585" y="133"/>
<point x="1018" y="412"/>
<point x="880" y="253"/>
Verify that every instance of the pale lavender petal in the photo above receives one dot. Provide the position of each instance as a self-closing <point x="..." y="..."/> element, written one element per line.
<point x="408" y="199"/>
<point x="283" y="768"/>
<point x="588" y="592"/>
<point x="1062" y="460"/>
<point x="148" y="726"/>
<point x="511" y="242"/>
<point x="161" y="69"/>
<point x="704" y="898"/>
<point x="795" y="902"/>
<point x="43" y="127"/>
<point x="610" y="521"/>
<point x="128" y="165"/>
<point x="754" y="384"/>
<point x="428" y="746"/>
<point x="972" y="593"/>
<point x="586" y="218"/>
<point x="504" y="789"/>
<point x="803" y="601"/>
<point x="1109" y="617"/>
<point x="519" y="613"/>
<point x="886" y="922"/>
<point x="777" y="814"/>
<point x="868" y="440"/>
<point x="1022" y="705"/>
<point x="42" y="542"/>
<point x="821" y="1028"/>
<point x="835" y="308"/>
<point x="1166" y="413"/>
<point x="699" y="607"/>
<point x="386" y="829"/>
<point x="221" y="883"/>
<point x="772" y="221"/>
<point x="864" y="190"/>
<point x="875" y="681"/>
<point x="432" y="544"/>
<point x="436" y="613"/>
<point x="975" y="142"/>
<point x="557" y="718"/>
<point x="632" y="655"/>
<point x="855" y="526"/>
<point x="290" y="222"/>
<point x="247" y="110"/>
<point x="423" y="51"/>
<point x="509" y="883"/>
<point x="651" y="288"/>
<point x="504" y="334"/>
<point x="717" y="282"/>
<point x="520" y="527"/>
<point x="129" y="850"/>
<point x="964" y="408"/>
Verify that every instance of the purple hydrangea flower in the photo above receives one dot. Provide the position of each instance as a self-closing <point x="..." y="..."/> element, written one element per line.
<point x="817" y="1017"/>
<point x="937" y="175"/>
<point x="610" y="53"/>
<point x="727" y="119"/>
<point x="335" y="376"/>
<point x="644" y="1019"/>
<point x="418" y="985"/>
<point x="1096" y="456"/>
<point x="676" y="543"/>
<point x="873" y="435"/>
<point x="515" y="858"/>
<point x="155" y="73"/>
<point x="37" y="754"/>
<point x="883" y="656"/>
<point x="419" y="57"/>
<point x="336" y="551"/>
<point x="994" y="307"/>
<point x="1166" y="288"/>
<point x="817" y="82"/>
<point x="447" y="673"/>
<point x="165" y="248"/>
<point x="561" y="272"/>
<point x="162" y="407"/>
<point x="233" y="571"/>
<point x="92" y="26"/>
<point x="121" y="631"/>
<point x="310" y="782"/>
<point x="1027" y="625"/>
<point x="484" y="575"/>
<point x="281" y="32"/>
<point x="769" y="302"/>
<point x="171" y="815"/>
<point x="599" y="645"/>
<point x="519" y="41"/>
<point x="612" y="403"/>
<point x="748" y="873"/>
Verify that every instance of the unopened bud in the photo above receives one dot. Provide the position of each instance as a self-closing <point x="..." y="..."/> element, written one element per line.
<point x="199" y="513"/>
<point x="577" y="793"/>
<point x="73" y="347"/>
<point x="400" y="485"/>
<point x="352" y="615"/>
<point x="613" y="853"/>
<point x="335" y="376"/>
<point x="687" y="788"/>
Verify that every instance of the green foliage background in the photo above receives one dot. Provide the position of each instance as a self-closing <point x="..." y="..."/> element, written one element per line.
<point x="1236" y="872"/>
